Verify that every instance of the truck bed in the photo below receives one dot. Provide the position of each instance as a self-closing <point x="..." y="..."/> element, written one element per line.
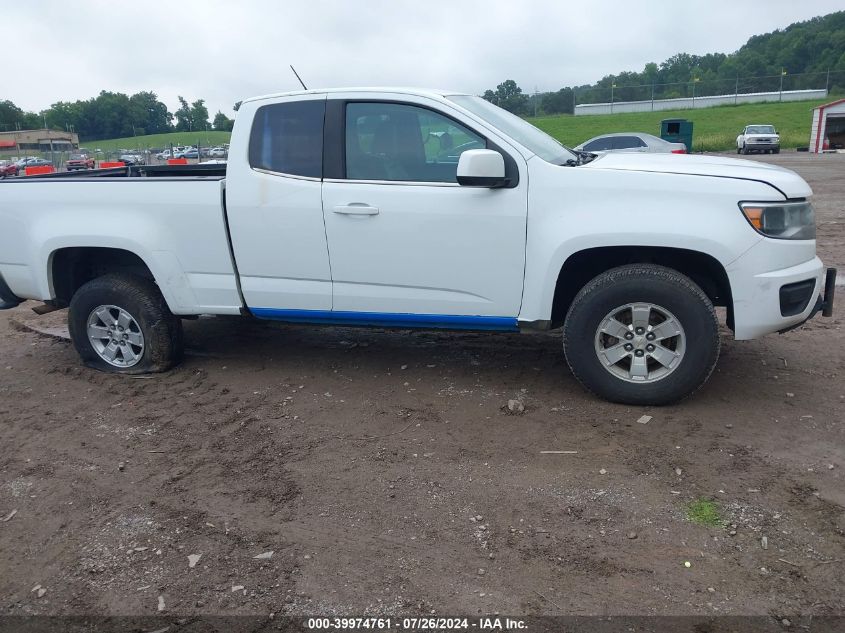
<point x="133" y="171"/>
<point x="176" y="224"/>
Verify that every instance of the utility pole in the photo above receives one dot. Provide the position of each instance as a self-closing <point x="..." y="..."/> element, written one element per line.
<point x="612" y="86"/>
<point x="652" y="96"/>
<point x="694" y="81"/>
<point x="782" y="73"/>
<point x="827" y="82"/>
<point x="736" y="90"/>
<point x="536" y="98"/>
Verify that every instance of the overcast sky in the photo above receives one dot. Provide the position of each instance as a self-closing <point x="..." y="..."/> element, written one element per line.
<point x="226" y="50"/>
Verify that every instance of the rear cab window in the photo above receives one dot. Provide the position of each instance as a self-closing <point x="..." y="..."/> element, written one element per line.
<point x="287" y="138"/>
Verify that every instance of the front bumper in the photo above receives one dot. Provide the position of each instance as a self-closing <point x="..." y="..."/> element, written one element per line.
<point x="7" y="297"/>
<point x="756" y="147"/>
<point x="824" y="302"/>
<point x="762" y="299"/>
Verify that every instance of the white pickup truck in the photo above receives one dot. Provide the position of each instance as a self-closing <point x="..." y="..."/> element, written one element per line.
<point x="422" y="209"/>
<point x="758" y="138"/>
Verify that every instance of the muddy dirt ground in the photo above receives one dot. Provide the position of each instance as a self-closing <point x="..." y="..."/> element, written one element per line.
<point x="386" y="476"/>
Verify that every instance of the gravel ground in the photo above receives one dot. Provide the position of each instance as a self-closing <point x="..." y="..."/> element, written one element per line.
<point x="342" y="471"/>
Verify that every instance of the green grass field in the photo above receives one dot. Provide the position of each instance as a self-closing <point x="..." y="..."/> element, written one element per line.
<point x="714" y="128"/>
<point x="161" y="141"/>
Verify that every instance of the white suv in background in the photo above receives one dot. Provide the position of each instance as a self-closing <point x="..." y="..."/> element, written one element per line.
<point x="758" y="138"/>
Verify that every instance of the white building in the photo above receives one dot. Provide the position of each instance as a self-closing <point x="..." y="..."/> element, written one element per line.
<point x="828" y="127"/>
<point x="685" y="103"/>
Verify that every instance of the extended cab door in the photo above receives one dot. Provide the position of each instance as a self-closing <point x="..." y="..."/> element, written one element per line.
<point x="274" y="205"/>
<point x="407" y="243"/>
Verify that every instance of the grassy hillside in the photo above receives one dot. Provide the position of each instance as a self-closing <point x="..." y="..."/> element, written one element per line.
<point x="714" y="128"/>
<point x="159" y="141"/>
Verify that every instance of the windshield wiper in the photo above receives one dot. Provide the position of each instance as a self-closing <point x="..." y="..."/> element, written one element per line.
<point x="583" y="158"/>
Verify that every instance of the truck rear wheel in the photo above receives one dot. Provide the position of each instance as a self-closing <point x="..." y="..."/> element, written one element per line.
<point x="120" y="323"/>
<point x="641" y="334"/>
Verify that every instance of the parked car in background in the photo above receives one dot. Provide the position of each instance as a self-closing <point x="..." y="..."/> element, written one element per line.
<point x="179" y="152"/>
<point x="190" y="153"/>
<point x="175" y="152"/>
<point x="630" y="142"/>
<point x="31" y="161"/>
<point x="79" y="161"/>
<point x="758" y="138"/>
<point x="217" y="152"/>
<point x="131" y="159"/>
<point x="8" y="168"/>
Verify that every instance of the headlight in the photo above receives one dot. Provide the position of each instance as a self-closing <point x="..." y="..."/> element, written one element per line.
<point x="782" y="220"/>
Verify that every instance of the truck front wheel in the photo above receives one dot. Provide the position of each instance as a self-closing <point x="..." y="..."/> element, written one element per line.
<point x="641" y="334"/>
<point x="120" y="323"/>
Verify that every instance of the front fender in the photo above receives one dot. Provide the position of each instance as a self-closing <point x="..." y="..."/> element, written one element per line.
<point x="571" y="210"/>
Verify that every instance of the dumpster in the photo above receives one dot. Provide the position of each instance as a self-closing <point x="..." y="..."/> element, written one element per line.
<point x="677" y="131"/>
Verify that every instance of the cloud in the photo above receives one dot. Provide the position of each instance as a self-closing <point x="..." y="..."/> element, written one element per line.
<point x="224" y="51"/>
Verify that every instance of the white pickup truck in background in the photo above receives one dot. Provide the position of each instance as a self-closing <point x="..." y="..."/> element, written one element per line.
<point x="423" y="209"/>
<point x="758" y="138"/>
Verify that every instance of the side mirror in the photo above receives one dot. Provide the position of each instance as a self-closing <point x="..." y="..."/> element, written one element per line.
<point x="481" y="168"/>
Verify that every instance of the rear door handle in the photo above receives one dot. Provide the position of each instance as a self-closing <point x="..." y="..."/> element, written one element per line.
<point x="356" y="209"/>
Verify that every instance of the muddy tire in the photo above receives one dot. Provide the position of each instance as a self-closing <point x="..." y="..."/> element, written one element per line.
<point x="641" y="334"/>
<point x="120" y="323"/>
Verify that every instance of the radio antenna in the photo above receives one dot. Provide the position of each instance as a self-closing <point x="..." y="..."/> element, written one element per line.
<point x="298" y="77"/>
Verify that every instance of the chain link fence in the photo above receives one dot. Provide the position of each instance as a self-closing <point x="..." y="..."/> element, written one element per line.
<point x="612" y="92"/>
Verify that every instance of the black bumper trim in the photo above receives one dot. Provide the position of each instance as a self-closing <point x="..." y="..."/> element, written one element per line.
<point x="829" y="292"/>
<point x="824" y="302"/>
<point x="7" y="297"/>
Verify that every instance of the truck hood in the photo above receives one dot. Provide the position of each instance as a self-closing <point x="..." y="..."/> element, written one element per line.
<point x="786" y="181"/>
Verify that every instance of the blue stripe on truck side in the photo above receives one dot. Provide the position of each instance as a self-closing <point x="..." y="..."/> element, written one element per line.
<point x="388" y="319"/>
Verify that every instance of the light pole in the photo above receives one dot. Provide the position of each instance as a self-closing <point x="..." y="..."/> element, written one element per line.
<point x="695" y="80"/>
<point x="612" y="86"/>
<point x="782" y="73"/>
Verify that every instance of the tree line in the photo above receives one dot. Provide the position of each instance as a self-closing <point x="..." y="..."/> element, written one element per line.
<point x="115" y="115"/>
<point x="808" y="54"/>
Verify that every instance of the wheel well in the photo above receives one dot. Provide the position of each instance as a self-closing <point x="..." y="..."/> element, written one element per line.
<point x="71" y="268"/>
<point x="585" y="265"/>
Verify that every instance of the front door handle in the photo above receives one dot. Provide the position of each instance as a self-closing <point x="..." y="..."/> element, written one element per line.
<point x="356" y="209"/>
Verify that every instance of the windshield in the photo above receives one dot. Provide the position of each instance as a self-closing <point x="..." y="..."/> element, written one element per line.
<point x="530" y="137"/>
<point x="78" y="157"/>
<point x="760" y="129"/>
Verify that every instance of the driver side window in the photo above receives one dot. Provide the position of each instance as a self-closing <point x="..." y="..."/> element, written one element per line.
<point x="398" y="142"/>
